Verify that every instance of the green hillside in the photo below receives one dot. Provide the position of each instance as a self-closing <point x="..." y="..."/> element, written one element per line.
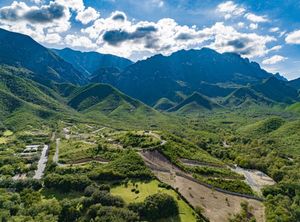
<point x="294" y="107"/>
<point x="262" y="127"/>
<point x="164" y="104"/>
<point x="90" y="95"/>
<point x="195" y="103"/>
<point x="244" y="97"/>
<point x="25" y="102"/>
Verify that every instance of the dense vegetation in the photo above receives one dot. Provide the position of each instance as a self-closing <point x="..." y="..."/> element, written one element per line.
<point x="97" y="134"/>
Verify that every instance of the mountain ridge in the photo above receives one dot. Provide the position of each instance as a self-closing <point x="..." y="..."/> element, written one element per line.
<point x="89" y="62"/>
<point x="22" y="51"/>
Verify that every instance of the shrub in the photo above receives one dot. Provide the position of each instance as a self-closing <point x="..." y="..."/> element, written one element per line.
<point x="156" y="207"/>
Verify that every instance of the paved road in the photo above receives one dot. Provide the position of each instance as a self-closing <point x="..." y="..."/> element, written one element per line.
<point x="55" y="157"/>
<point x="41" y="164"/>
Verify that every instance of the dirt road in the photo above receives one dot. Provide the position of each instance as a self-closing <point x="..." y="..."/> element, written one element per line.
<point x="218" y="206"/>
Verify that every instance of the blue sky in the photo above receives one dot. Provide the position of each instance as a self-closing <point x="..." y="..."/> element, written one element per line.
<point x="265" y="31"/>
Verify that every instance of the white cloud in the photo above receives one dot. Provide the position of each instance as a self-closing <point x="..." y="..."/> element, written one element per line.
<point x="75" y="5"/>
<point x="129" y="38"/>
<point x="241" y="24"/>
<point x="293" y="37"/>
<point x="46" y="23"/>
<point x="255" y="18"/>
<point x="253" y="26"/>
<point x="274" y="49"/>
<point x="37" y="1"/>
<point x="87" y="15"/>
<point x="274" y="29"/>
<point x="230" y="9"/>
<point x="80" y="42"/>
<point x="123" y="37"/>
<point x="39" y="22"/>
<point x="273" y="60"/>
<point x="52" y="38"/>
<point x="159" y="3"/>
<point x="228" y="39"/>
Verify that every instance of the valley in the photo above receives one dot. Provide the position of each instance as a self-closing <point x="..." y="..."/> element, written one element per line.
<point x="195" y="136"/>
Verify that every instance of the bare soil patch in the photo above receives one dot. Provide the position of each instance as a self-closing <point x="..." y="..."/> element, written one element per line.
<point x="217" y="206"/>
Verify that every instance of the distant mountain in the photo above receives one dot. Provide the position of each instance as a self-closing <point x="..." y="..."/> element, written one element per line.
<point x="89" y="62"/>
<point x="184" y="71"/>
<point x="195" y="103"/>
<point x="295" y="83"/>
<point x="22" y="51"/>
<point x="277" y="91"/>
<point x="245" y="96"/>
<point x="106" y="75"/>
<point x="270" y="92"/>
<point x="280" y="77"/>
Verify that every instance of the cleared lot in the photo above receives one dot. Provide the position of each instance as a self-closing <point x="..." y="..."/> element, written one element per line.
<point x="217" y="206"/>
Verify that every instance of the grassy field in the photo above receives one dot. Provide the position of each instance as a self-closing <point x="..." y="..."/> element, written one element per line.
<point x="186" y="213"/>
<point x="74" y="150"/>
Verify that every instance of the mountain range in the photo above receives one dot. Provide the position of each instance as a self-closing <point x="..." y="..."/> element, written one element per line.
<point x="90" y="62"/>
<point x="188" y="81"/>
<point x="184" y="72"/>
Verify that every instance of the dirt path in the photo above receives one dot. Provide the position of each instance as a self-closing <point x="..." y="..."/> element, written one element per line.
<point x="55" y="156"/>
<point x="194" y="163"/>
<point x="218" y="206"/>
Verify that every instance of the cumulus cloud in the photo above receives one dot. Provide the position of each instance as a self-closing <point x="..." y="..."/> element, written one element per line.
<point x="241" y="24"/>
<point x="274" y="29"/>
<point x="166" y="36"/>
<point x="228" y="39"/>
<point x="45" y="14"/>
<point x="80" y="42"/>
<point x="128" y="37"/>
<point x="46" y="23"/>
<point x="87" y="15"/>
<point x="253" y="26"/>
<point x="230" y="9"/>
<point x="118" y="35"/>
<point x="75" y="5"/>
<point x="114" y="37"/>
<point x="119" y="16"/>
<point x="53" y="38"/>
<point x="40" y="22"/>
<point x="255" y="18"/>
<point x="273" y="60"/>
<point x="293" y="37"/>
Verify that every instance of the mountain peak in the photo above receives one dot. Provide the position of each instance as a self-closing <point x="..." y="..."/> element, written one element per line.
<point x="22" y="51"/>
<point x="89" y="62"/>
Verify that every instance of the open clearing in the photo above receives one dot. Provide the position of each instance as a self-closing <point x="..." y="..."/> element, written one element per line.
<point x="186" y="213"/>
<point x="217" y="206"/>
<point x="255" y="178"/>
